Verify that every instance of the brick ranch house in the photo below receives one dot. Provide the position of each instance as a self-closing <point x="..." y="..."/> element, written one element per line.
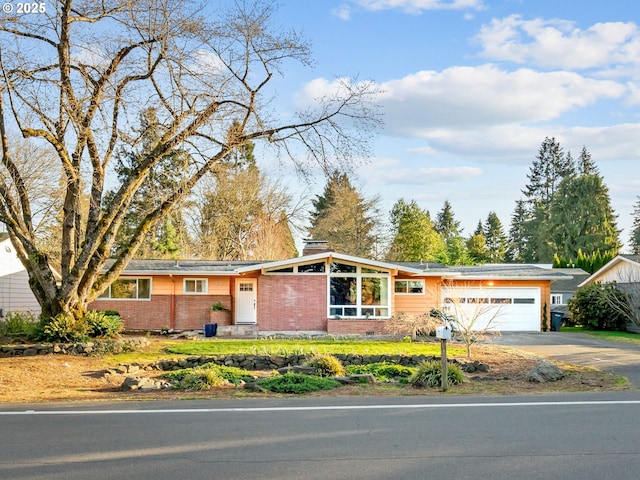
<point x="323" y="292"/>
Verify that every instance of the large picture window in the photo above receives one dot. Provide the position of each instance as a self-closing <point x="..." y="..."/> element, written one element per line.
<point x="358" y="292"/>
<point x="129" y="289"/>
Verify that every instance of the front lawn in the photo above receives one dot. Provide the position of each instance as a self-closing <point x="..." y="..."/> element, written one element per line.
<point x="622" y="337"/>
<point x="300" y="347"/>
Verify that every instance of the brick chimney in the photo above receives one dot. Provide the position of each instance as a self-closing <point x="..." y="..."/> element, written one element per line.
<point x="315" y="246"/>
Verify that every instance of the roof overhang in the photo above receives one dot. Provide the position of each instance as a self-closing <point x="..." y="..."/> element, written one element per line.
<point x="328" y="257"/>
<point x="608" y="266"/>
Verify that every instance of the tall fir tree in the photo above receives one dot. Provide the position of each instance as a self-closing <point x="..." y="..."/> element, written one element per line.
<point x="549" y="168"/>
<point x="169" y="236"/>
<point x="495" y="239"/>
<point x="518" y="250"/>
<point x="582" y="218"/>
<point x="345" y="218"/>
<point x="449" y="229"/>
<point x="414" y="237"/>
<point x="635" y="231"/>
<point x="585" y="165"/>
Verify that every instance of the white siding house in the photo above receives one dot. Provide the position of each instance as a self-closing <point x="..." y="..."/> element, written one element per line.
<point x="15" y="294"/>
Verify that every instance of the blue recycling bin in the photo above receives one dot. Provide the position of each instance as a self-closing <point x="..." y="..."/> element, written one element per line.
<point x="210" y="329"/>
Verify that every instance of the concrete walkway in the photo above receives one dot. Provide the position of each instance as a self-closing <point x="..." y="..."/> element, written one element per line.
<point x="579" y="349"/>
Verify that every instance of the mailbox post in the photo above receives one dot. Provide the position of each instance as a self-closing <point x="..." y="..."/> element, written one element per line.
<point x="444" y="334"/>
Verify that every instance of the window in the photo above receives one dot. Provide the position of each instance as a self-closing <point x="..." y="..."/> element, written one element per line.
<point x="409" y="287"/>
<point x="524" y="300"/>
<point x="129" y="289"/>
<point x="195" y="285"/>
<point x="318" y="267"/>
<point x="358" y="292"/>
<point x="556" y="299"/>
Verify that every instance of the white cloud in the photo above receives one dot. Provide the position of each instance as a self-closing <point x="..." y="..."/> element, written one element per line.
<point x="390" y="172"/>
<point x="343" y="12"/>
<point x="486" y="95"/>
<point x="418" y="6"/>
<point x="559" y="43"/>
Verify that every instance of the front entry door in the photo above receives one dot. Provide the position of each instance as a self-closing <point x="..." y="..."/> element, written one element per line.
<point x="246" y="298"/>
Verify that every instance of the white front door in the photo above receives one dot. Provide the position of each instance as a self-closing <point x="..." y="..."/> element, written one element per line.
<point x="246" y="299"/>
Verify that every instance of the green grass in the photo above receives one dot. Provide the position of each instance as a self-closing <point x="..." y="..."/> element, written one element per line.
<point x="304" y="347"/>
<point x="622" y="337"/>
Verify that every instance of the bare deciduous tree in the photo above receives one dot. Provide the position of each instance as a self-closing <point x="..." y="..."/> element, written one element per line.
<point x="75" y="79"/>
<point x="473" y="319"/>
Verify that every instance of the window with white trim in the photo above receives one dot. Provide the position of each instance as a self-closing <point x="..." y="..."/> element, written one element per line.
<point x="556" y="299"/>
<point x="356" y="291"/>
<point x="195" y="286"/>
<point x="128" y="289"/>
<point x="409" y="287"/>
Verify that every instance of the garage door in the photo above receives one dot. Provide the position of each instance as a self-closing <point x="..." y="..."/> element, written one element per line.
<point x="501" y="309"/>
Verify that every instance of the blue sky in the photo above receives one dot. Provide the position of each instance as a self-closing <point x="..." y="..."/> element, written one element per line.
<point x="471" y="88"/>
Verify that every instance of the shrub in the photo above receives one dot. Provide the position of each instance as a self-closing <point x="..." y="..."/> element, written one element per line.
<point x="326" y="365"/>
<point x="382" y="370"/>
<point x="19" y="325"/>
<point x="429" y="374"/>
<point x="231" y="374"/>
<point x="104" y="324"/>
<point x="297" y="383"/>
<point x="64" y="327"/>
<point x="592" y="306"/>
<point x="200" y="379"/>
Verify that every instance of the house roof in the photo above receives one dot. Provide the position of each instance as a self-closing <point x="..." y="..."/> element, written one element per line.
<point x="236" y="267"/>
<point x="632" y="260"/>
<point x="183" y="267"/>
<point x="569" y="284"/>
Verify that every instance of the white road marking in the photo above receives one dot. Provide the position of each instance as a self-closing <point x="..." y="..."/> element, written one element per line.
<point x="320" y="408"/>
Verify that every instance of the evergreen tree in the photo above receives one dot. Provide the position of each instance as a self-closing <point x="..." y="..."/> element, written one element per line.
<point x="446" y="224"/>
<point x="585" y="165"/>
<point x="518" y="248"/>
<point x="495" y="239"/>
<point x="582" y="218"/>
<point x="414" y="236"/>
<point x="635" y="232"/>
<point x="477" y="245"/>
<point x="169" y="235"/>
<point x="449" y="229"/>
<point x="344" y="218"/>
<point x="549" y="168"/>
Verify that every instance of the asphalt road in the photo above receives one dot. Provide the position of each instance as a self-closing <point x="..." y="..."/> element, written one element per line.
<point x="580" y="349"/>
<point x="573" y="437"/>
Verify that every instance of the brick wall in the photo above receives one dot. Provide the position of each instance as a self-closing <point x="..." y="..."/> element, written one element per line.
<point x="356" y="327"/>
<point x="289" y="303"/>
<point x="192" y="311"/>
<point x="140" y="314"/>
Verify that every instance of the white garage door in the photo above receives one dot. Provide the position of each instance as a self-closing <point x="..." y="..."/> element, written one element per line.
<point x="493" y="308"/>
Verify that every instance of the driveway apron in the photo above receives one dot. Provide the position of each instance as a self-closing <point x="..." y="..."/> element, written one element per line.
<point x="579" y="349"/>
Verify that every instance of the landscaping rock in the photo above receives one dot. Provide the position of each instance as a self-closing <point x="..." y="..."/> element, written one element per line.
<point x="545" y="372"/>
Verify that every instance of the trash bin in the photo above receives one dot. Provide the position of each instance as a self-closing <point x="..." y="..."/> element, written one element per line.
<point x="210" y="329"/>
<point x="556" y="321"/>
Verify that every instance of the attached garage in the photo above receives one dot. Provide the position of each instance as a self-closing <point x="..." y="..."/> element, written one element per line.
<point x="505" y="309"/>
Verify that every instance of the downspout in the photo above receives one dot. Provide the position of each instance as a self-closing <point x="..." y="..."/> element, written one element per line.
<point x="172" y="319"/>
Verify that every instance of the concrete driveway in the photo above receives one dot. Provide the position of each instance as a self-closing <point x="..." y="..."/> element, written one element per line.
<point x="579" y="349"/>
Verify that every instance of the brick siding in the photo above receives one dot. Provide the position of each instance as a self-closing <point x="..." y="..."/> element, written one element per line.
<point x="289" y="303"/>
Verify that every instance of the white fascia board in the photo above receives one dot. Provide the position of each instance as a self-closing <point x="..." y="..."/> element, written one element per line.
<point x="328" y="256"/>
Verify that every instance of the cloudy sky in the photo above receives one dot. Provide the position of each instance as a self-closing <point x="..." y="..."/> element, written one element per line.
<point x="471" y="88"/>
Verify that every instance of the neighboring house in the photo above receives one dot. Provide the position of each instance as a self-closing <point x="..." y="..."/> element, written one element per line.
<point x="625" y="271"/>
<point x="562" y="290"/>
<point x="15" y="294"/>
<point x="323" y="292"/>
